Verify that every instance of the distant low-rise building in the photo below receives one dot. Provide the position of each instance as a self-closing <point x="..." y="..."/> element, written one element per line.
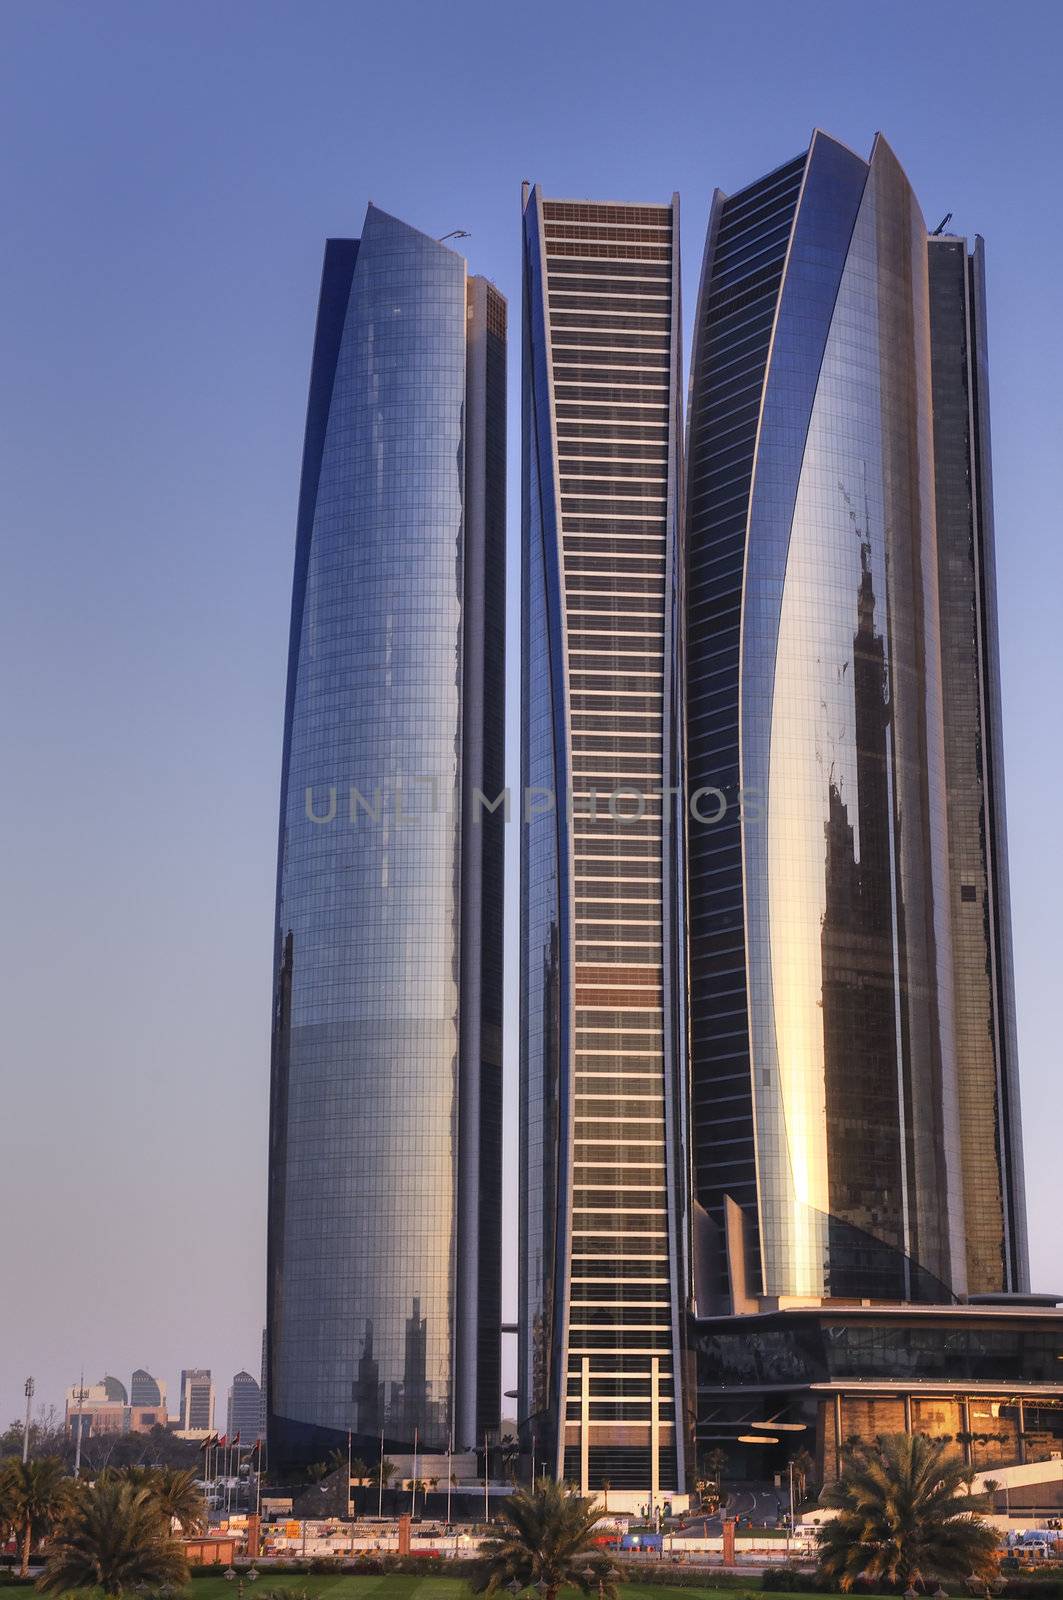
<point x="104" y="1407"/>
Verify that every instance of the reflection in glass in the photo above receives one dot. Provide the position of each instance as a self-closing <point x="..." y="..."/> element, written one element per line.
<point x="824" y="1071"/>
<point x="384" y="1244"/>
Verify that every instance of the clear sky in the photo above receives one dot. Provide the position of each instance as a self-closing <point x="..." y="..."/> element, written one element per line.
<point x="169" y="173"/>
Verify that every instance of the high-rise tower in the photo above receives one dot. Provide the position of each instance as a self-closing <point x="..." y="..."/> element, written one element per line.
<point x="197" y="1400"/>
<point x="826" y="1140"/>
<point x="986" y="1045"/>
<point x="602" y="1188"/>
<point x="854" y="1112"/>
<point x="385" y="1147"/>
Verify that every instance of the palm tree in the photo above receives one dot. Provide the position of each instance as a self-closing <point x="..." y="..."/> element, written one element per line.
<point x="115" y="1535"/>
<point x="359" y="1475"/>
<point x="35" y="1494"/>
<point x="176" y="1493"/>
<point x="547" y="1541"/>
<point x="904" y="1516"/>
<point x="803" y="1468"/>
<point x="8" y="1509"/>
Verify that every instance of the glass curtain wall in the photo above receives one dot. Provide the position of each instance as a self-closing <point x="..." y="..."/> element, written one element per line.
<point x="386" y="1086"/>
<point x="823" y="1064"/>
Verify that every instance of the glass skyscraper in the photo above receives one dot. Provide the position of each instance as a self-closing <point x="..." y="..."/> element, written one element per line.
<point x="986" y="1045"/>
<point x="854" y="1121"/>
<point x="385" y="1142"/>
<point x="602" y="1188"/>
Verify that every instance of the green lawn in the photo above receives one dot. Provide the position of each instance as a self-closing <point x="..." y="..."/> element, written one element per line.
<point x="406" y="1586"/>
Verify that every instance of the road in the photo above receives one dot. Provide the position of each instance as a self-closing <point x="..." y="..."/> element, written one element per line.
<point x="763" y="1506"/>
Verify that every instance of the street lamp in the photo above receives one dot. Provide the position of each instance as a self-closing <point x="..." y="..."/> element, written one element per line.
<point x="250" y="1575"/>
<point x="26" y="1429"/>
<point x="790" y="1528"/>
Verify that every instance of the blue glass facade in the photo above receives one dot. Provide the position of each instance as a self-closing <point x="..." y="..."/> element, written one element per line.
<point x="386" y="1085"/>
<point x="825" y="1083"/>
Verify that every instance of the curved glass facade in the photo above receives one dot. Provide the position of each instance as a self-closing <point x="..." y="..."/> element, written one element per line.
<point x="821" y="977"/>
<point x="386" y="1058"/>
<point x="602" y="1186"/>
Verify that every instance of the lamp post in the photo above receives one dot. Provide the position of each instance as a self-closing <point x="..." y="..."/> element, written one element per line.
<point x="26" y="1429"/>
<point x="790" y="1529"/>
<point x="80" y="1424"/>
<point x="251" y="1577"/>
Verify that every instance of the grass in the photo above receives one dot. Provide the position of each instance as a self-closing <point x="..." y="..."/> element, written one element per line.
<point x="407" y="1586"/>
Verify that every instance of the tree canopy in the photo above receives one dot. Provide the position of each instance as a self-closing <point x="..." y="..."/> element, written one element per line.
<point x="904" y="1515"/>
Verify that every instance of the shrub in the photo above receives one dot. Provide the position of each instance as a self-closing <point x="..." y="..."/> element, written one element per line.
<point x="651" y="1572"/>
<point x="795" y="1580"/>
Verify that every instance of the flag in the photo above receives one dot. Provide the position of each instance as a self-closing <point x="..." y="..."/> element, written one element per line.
<point x="236" y="1441"/>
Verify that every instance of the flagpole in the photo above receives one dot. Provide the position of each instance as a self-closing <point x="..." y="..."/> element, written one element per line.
<point x="487" y="1513"/>
<point x="450" y="1474"/>
<point x="348" y="1474"/>
<point x="380" y="1479"/>
<point x="413" y="1491"/>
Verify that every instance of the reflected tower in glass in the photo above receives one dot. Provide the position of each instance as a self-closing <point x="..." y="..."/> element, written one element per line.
<point x="986" y="1046"/>
<point x="385" y="1139"/>
<point x="827" y="1088"/>
<point x="602" y="1189"/>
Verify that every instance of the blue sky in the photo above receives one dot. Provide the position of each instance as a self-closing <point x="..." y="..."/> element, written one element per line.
<point x="169" y="174"/>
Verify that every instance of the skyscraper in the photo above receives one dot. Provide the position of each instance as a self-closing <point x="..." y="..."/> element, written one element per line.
<point x="243" y="1412"/>
<point x="385" y="1182"/>
<point x="197" y="1400"/>
<point x="144" y="1390"/>
<point x="602" y="1189"/>
<point x="837" y="1126"/>
<point x="986" y="1045"/>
